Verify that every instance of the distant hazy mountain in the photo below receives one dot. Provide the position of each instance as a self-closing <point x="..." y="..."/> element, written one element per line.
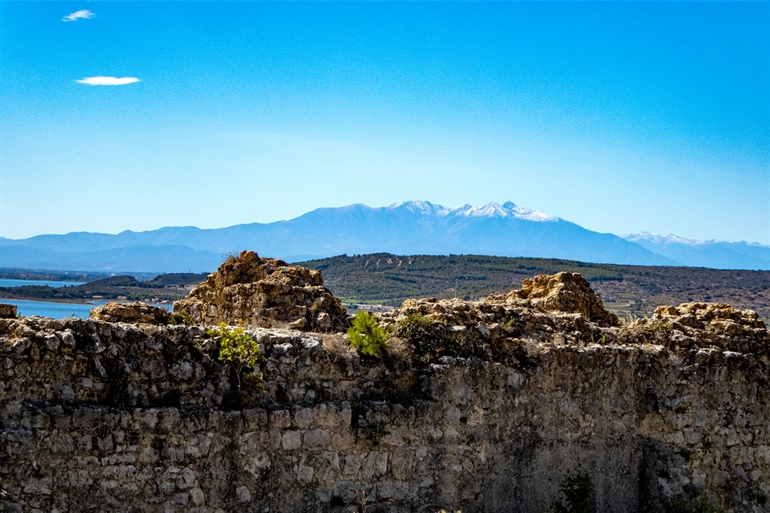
<point x="710" y="253"/>
<point x="139" y="259"/>
<point x="409" y="228"/>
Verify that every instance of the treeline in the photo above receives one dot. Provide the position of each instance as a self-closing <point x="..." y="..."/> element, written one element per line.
<point x="170" y="287"/>
<point x="42" y="275"/>
<point x="389" y="279"/>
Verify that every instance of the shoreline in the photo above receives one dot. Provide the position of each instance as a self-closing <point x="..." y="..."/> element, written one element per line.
<point x="74" y="301"/>
<point x="55" y="300"/>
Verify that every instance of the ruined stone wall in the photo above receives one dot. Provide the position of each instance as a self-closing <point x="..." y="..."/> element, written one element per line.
<point x="98" y="416"/>
<point x="264" y="292"/>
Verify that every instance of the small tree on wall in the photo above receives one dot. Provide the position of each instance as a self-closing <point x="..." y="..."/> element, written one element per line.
<point x="366" y="335"/>
<point x="239" y="349"/>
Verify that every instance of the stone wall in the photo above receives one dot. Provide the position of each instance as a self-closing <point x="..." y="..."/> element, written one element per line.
<point x="99" y="416"/>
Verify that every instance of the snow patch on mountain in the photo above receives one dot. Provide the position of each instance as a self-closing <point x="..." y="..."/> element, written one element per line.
<point x="676" y="239"/>
<point x="421" y="207"/>
<point x="717" y="254"/>
<point x="662" y="239"/>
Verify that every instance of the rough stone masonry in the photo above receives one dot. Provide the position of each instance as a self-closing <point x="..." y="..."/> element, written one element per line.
<point x="540" y="384"/>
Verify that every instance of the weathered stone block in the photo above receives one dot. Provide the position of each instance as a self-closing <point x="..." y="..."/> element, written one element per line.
<point x="280" y="419"/>
<point x="291" y="440"/>
<point x="376" y="465"/>
<point x="243" y="494"/>
<point x="316" y="438"/>
<point x="303" y="418"/>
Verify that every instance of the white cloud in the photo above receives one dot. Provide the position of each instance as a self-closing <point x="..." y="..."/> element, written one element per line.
<point x="79" y="15"/>
<point x="107" y="81"/>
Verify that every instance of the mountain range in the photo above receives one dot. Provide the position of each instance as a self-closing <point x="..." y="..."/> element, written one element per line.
<point x="407" y="228"/>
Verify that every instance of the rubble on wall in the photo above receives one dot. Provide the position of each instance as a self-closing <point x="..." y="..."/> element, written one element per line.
<point x="563" y="292"/>
<point x="715" y="325"/>
<point x="264" y="292"/>
<point x="136" y="312"/>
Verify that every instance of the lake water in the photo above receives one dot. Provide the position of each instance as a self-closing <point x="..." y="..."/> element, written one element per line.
<point x="50" y="309"/>
<point x="21" y="283"/>
<point x="56" y="310"/>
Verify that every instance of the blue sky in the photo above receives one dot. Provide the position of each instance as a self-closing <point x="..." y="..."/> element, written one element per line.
<point x="619" y="116"/>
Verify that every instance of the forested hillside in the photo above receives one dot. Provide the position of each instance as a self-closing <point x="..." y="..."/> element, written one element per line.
<point x="627" y="290"/>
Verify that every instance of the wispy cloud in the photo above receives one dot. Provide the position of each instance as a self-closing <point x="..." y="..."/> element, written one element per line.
<point x="107" y="81"/>
<point x="79" y="15"/>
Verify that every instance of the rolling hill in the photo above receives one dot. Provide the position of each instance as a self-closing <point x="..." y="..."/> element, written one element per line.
<point x="626" y="290"/>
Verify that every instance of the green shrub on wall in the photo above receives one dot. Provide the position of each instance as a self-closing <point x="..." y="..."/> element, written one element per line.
<point x="239" y="349"/>
<point x="366" y="335"/>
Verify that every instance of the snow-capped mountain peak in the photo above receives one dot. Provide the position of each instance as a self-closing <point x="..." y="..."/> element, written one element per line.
<point x="661" y="239"/>
<point x="528" y="213"/>
<point x="705" y="253"/>
<point x="676" y="239"/>
<point x="422" y="207"/>
<point x="507" y="209"/>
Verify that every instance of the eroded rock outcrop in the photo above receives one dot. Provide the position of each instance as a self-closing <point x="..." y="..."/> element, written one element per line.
<point x="264" y="292"/>
<point x="137" y="312"/>
<point x="563" y="292"/>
